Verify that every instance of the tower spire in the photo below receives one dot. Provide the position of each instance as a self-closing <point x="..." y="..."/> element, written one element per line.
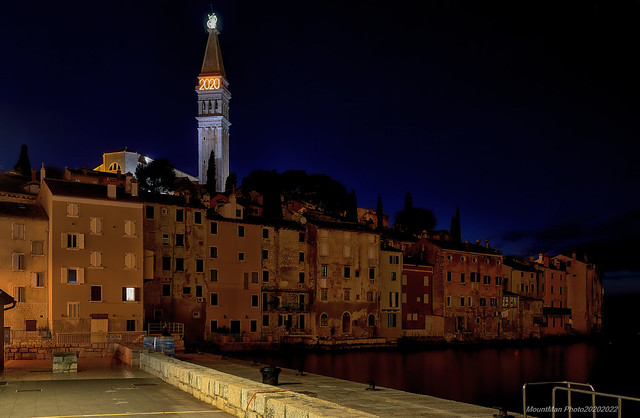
<point x="213" y="109"/>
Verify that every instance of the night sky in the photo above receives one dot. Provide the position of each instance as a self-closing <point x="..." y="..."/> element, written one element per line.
<point x="525" y="114"/>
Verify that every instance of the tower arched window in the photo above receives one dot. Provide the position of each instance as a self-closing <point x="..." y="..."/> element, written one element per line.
<point x="114" y="167"/>
<point x="324" y="320"/>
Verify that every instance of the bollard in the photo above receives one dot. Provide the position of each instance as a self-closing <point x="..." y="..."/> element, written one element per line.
<point x="270" y="375"/>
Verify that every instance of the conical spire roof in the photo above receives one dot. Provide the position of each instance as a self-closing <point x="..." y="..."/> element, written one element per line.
<point x="212" y="63"/>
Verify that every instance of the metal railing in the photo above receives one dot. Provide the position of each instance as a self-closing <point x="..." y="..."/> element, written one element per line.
<point x="22" y="335"/>
<point x="563" y="382"/>
<point x="171" y="327"/>
<point x="593" y="409"/>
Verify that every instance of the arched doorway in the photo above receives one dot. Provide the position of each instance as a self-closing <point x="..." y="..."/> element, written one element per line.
<point x="346" y="323"/>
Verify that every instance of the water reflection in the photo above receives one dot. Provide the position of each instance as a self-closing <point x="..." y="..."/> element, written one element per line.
<point x="488" y="376"/>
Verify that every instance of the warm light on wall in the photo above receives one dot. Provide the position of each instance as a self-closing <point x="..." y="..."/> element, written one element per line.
<point x="208" y="83"/>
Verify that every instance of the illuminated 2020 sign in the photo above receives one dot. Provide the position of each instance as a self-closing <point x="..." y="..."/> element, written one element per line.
<point x="208" y="83"/>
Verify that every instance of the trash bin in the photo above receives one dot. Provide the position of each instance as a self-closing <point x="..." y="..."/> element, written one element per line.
<point x="270" y="375"/>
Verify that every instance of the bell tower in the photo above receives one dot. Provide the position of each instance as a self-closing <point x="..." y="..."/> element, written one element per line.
<point x="213" y="110"/>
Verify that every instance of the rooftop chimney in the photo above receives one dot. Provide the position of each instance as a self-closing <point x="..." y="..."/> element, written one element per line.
<point x="111" y="191"/>
<point x="573" y="255"/>
<point x="486" y="243"/>
<point x="43" y="173"/>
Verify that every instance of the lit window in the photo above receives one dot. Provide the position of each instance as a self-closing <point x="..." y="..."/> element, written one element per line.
<point x="114" y="167"/>
<point x="130" y="294"/>
<point x="324" y="270"/>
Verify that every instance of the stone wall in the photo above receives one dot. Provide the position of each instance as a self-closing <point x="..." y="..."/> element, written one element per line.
<point x="238" y="396"/>
<point x="33" y="350"/>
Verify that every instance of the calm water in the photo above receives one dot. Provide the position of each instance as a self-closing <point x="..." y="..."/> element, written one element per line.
<point x="486" y="376"/>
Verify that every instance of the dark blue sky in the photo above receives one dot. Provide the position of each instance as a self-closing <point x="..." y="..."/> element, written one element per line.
<point x="525" y="114"/>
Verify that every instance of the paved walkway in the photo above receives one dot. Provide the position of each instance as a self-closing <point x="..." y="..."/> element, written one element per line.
<point x="101" y="388"/>
<point x="383" y="402"/>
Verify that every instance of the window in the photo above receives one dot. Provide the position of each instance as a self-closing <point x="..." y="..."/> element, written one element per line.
<point x="213" y="252"/>
<point x="37" y="280"/>
<point x="493" y="301"/>
<point x="130" y="294"/>
<point x="265" y="320"/>
<point x="487" y="279"/>
<point x="240" y="256"/>
<point x="393" y="299"/>
<point x="254" y="277"/>
<point x="448" y="276"/>
<point x="448" y="300"/>
<point x="462" y="258"/>
<point x="95" y="258"/>
<point x="552" y="290"/>
<point x="324" y="270"/>
<point x="394" y="259"/>
<point x="425" y="298"/>
<point x="179" y="215"/>
<point x="347" y="294"/>
<point x="96" y="294"/>
<point x="474" y="277"/>
<point x="347" y="272"/>
<point x="301" y="237"/>
<point x="179" y="240"/>
<point x="165" y="239"/>
<point x="18" y="262"/>
<point x="72" y="275"/>
<point x="198" y="291"/>
<point x="265" y="276"/>
<point x="179" y="264"/>
<point x="17" y="231"/>
<point x="214" y="299"/>
<point x="369" y="296"/>
<point x="391" y="320"/>
<point x="199" y="265"/>
<point x="498" y="280"/>
<point x="197" y="217"/>
<point x="265" y="254"/>
<point x="166" y="263"/>
<point x="157" y="313"/>
<point x="73" y="310"/>
<point x="560" y="289"/>
<point x="461" y="277"/>
<point x="30" y="325"/>
<point x="324" y="294"/>
<point x="186" y="290"/>
<point x="372" y="274"/>
<point x="253" y="326"/>
<point x="95" y="226"/>
<point x="483" y="302"/>
<point x="129" y="228"/>
<point x="72" y="209"/>
<point x="241" y="231"/>
<point x="393" y="276"/>
<point x="213" y="326"/>
<point x="301" y="277"/>
<point x="72" y="241"/>
<point x="301" y="257"/>
<point x="166" y="289"/>
<point x="114" y="167"/>
<point x="404" y="279"/>
<point x="20" y="294"/>
<point x="213" y="275"/>
<point x="254" y="301"/>
<point x="324" y="320"/>
<point x="129" y="260"/>
<point x="131" y="324"/>
<point x="150" y="212"/>
<point x="371" y="322"/>
<point x="213" y="228"/>
<point x="238" y="213"/>
<point x="265" y="233"/>
<point x="462" y="301"/>
<point x="37" y="247"/>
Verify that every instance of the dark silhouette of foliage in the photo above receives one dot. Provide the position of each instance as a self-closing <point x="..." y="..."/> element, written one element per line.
<point x="379" y="214"/>
<point x="351" y="214"/>
<point x="456" y="233"/>
<point x="318" y="189"/>
<point x="156" y="177"/>
<point x="272" y="200"/>
<point x="231" y="183"/>
<point x="414" y="220"/>
<point x="23" y="166"/>
<point x="211" y="174"/>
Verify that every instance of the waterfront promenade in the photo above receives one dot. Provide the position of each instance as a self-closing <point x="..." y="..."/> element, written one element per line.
<point x="100" y="388"/>
<point x="383" y="402"/>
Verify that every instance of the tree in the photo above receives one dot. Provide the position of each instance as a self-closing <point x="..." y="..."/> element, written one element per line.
<point x="272" y="201"/>
<point x="156" y="177"/>
<point x="211" y="174"/>
<point x="414" y="220"/>
<point x="23" y="166"/>
<point x="231" y="183"/>
<point x="379" y="214"/>
<point x="455" y="231"/>
<point x="351" y="214"/>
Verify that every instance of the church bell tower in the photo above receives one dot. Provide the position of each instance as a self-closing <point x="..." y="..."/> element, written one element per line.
<point x="213" y="110"/>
